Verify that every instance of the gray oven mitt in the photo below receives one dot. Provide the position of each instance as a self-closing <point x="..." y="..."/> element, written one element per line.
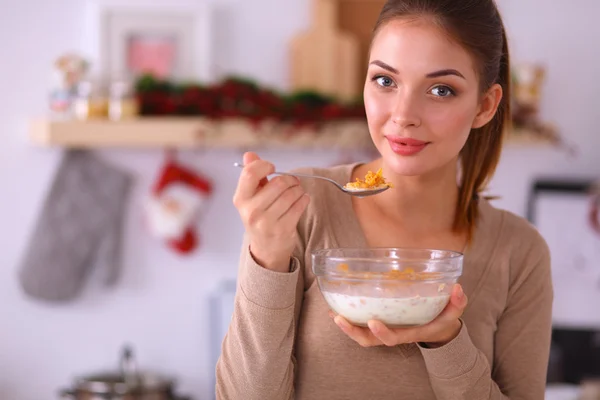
<point x="79" y="227"/>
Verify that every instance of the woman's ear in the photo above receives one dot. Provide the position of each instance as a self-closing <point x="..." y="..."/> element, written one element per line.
<point x="488" y="106"/>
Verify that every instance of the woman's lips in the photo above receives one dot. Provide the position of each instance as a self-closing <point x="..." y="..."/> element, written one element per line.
<point x="406" y="146"/>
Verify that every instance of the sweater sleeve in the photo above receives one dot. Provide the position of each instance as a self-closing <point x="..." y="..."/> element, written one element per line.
<point x="459" y="371"/>
<point x="257" y="360"/>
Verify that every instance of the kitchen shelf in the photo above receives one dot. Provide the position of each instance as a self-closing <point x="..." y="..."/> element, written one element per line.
<point x="524" y="139"/>
<point x="196" y="132"/>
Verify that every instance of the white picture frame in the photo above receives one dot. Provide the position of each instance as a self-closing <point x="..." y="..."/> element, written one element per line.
<point x="109" y="24"/>
<point x="559" y="209"/>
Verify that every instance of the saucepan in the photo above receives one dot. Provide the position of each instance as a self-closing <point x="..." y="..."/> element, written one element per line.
<point x="127" y="383"/>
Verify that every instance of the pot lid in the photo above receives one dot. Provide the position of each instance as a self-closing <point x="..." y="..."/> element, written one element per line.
<point x="126" y="381"/>
<point x="115" y="383"/>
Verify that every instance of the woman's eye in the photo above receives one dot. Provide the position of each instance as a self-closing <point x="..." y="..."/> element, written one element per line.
<point x="442" y="91"/>
<point x="384" y="81"/>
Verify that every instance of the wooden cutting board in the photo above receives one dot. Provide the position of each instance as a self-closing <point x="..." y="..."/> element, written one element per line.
<point x="358" y="18"/>
<point x="325" y="59"/>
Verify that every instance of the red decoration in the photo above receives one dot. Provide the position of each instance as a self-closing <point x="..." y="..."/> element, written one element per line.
<point x="238" y="98"/>
<point x="177" y="198"/>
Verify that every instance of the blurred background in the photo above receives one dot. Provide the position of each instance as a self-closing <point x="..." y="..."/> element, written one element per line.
<point x="121" y="122"/>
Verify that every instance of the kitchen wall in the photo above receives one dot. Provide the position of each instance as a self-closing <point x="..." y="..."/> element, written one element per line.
<point x="160" y="304"/>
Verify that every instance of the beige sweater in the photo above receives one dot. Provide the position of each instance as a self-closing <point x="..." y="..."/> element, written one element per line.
<point x="282" y="344"/>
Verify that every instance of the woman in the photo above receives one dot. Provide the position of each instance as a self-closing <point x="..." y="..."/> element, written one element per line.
<point x="437" y="98"/>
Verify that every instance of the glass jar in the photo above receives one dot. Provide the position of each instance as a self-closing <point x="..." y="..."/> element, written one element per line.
<point x="123" y="103"/>
<point x="90" y="101"/>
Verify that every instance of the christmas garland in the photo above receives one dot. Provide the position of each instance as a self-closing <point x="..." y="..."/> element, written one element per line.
<point x="241" y="98"/>
<point x="237" y="97"/>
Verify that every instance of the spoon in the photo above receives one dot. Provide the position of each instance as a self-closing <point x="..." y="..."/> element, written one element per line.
<point x="351" y="192"/>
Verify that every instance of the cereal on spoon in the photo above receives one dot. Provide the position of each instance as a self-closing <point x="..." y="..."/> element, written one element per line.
<point x="371" y="181"/>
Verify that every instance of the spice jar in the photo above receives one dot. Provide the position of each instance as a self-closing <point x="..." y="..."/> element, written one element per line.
<point x="90" y="101"/>
<point x="123" y="103"/>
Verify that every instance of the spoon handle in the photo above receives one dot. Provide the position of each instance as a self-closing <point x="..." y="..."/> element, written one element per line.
<point x="298" y="175"/>
<point x="357" y="193"/>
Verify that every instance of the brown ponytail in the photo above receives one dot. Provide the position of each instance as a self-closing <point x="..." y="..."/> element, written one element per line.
<point x="477" y="25"/>
<point x="481" y="154"/>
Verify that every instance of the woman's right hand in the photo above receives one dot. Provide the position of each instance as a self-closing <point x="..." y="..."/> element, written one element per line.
<point x="270" y="211"/>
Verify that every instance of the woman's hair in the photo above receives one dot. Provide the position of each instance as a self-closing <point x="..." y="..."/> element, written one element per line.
<point x="478" y="27"/>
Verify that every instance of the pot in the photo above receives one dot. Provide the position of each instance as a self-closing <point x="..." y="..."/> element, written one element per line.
<point x="126" y="384"/>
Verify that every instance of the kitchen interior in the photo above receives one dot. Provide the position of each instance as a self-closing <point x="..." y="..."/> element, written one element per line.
<point x="111" y="102"/>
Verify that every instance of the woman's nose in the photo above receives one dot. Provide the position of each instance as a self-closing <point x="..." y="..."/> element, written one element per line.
<point x="406" y="110"/>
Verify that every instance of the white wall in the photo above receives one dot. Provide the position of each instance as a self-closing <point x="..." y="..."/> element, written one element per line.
<point x="564" y="37"/>
<point x="160" y="304"/>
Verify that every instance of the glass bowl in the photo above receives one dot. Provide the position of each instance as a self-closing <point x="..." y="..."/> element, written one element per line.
<point x="400" y="287"/>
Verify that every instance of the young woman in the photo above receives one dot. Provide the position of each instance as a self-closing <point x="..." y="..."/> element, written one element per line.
<point x="437" y="101"/>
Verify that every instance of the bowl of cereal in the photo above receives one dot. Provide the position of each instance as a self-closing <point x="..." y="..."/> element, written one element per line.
<point x="400" y="287"/>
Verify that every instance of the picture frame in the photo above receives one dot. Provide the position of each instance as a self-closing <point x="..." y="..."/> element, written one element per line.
<point x="169" y="38"/>
<point x="559" y="208"/>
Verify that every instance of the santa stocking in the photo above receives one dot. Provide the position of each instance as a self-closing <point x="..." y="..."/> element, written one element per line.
<point x="175" y="204"/>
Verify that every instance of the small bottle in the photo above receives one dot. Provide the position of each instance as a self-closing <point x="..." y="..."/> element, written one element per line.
<point x="90" y="102"/>
<point x="123" y="103"/>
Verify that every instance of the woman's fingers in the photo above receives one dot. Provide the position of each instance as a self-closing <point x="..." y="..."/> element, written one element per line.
<point x="362" y="336"/>
<point x="279" y="189"/>
<point x="251" y="179"/>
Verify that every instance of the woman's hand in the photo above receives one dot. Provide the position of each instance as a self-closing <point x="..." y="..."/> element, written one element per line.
<point x="270" y="211"/>
<point x="435" y="334"/>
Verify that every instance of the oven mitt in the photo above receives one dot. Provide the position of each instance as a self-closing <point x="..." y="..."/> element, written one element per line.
<point x="78" y="229"/>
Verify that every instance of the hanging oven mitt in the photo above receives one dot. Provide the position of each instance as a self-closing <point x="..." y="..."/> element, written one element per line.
<point x="79" y="227"/>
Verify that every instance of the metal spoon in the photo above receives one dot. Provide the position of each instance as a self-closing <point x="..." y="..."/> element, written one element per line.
<point x="351" y="192"/>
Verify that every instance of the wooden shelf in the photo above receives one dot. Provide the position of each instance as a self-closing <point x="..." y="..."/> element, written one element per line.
<point x="193" y="132"/>
<point x="527" y="140"/>
<point x="171" y="132"/>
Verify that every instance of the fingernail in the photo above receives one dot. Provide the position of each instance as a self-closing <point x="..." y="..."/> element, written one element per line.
<point x="460" y="293"/>
<point x="373" y="326"/>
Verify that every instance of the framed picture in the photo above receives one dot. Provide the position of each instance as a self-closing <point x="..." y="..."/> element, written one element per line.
<point x="560" y="209"/>
<point x="169" y="39"/>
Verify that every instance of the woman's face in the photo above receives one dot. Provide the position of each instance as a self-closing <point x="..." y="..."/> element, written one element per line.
<point x="422" y="97"/>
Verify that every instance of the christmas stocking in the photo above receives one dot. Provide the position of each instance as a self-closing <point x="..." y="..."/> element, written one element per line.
<point x="175" y="204"/>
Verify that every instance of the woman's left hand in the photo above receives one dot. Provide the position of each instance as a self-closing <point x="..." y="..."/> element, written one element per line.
<point x="437" y="333"/>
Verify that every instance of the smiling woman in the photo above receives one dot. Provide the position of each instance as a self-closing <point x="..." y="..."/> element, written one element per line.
<point x="441" y="100"/>
<point x="436" y="95"/>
